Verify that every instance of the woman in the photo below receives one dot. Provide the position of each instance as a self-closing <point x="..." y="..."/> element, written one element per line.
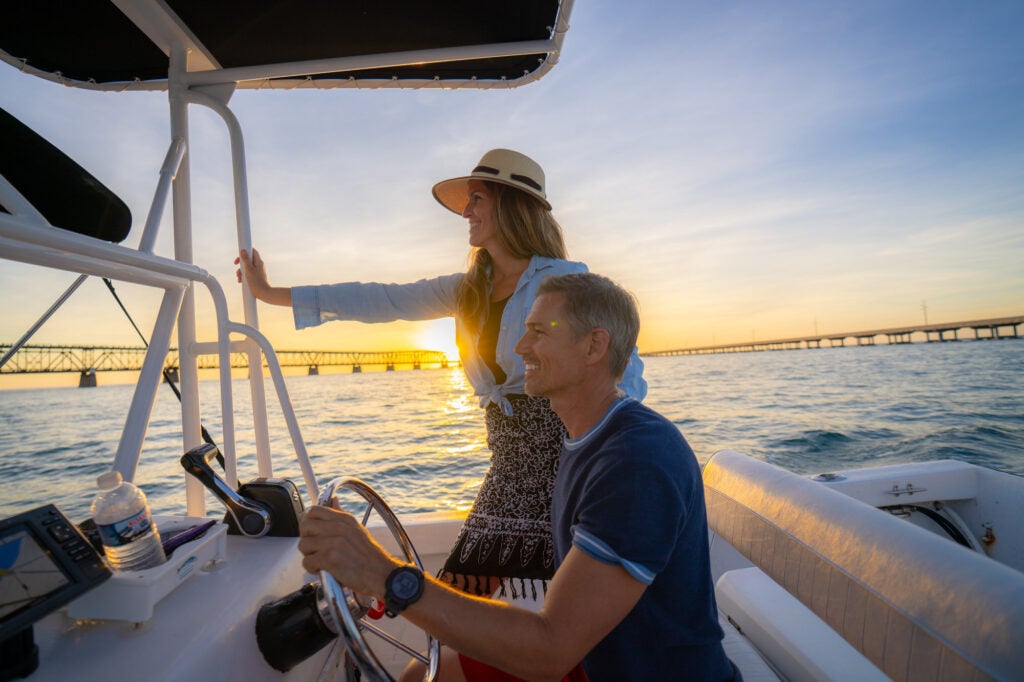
<point x="516" y="243"/>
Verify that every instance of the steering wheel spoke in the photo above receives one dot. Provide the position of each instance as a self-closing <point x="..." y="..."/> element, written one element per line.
<point x="348" y="612"/>
<point x="393" y="641"/>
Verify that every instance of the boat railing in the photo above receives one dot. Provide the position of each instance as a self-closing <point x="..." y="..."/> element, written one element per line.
<point x="27" y="236"/>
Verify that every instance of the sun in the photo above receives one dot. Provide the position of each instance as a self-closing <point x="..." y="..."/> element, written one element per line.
<point x="439" y="335"/>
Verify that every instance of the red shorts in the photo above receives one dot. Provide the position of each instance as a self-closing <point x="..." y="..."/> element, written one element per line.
<point x="475" y="671"/>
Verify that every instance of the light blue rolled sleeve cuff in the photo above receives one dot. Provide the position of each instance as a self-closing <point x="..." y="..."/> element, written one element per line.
<point x="594" y="547"/>
<point x="305" y="307"/>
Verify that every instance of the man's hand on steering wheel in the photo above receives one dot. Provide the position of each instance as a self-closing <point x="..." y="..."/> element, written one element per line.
<point x="337" y="545"/>
<point x="335" y="541"/>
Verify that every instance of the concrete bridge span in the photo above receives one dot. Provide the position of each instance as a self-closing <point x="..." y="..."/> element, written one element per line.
<point x="88" y="360"/>
<point x="987" y="329"/>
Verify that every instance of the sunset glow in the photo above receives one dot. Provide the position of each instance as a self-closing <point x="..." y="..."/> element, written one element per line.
<point x="749" y="171"/>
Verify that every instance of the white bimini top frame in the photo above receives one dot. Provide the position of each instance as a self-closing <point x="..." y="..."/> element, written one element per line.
<point x="199" y="52"/>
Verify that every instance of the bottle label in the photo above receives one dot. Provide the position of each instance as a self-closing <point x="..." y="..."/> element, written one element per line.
<point x="125" y="531"/>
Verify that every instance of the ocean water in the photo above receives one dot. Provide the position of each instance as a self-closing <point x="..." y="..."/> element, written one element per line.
<point x="418" y="436"/>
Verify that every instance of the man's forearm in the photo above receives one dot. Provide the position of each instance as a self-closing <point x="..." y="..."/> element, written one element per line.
<point x="535" y="646"/>
<point x="513" y="639"/>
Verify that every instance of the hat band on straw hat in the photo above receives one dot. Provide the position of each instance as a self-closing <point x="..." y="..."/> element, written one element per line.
<point x="525" y="179"/>
<point x="498" y="165"/>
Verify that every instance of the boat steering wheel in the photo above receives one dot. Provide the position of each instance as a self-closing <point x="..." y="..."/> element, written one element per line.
<point x="349" y="613"/>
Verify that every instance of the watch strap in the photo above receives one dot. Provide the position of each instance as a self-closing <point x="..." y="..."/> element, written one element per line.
<point x="402" y="589"/>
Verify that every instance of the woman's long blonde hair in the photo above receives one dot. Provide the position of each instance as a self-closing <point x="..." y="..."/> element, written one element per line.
<point x="526" y="229"/>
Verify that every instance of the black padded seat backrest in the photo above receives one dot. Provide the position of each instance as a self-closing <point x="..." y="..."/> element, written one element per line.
<point x="66" y="194"/>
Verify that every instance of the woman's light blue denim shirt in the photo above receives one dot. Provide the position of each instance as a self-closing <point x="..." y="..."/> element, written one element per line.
<point x="430" y="299"/>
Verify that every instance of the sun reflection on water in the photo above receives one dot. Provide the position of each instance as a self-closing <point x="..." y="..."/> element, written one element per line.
<point x="419" y="438"/>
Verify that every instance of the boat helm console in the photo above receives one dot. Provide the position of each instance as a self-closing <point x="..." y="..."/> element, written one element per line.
<point x="45" y="562"/>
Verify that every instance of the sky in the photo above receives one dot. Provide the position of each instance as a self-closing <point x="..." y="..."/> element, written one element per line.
<point x="750" y="170"/>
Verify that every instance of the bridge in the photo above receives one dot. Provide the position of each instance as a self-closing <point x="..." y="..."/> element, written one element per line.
<point x="88" y="360"/>
<point x="990" y="329"/>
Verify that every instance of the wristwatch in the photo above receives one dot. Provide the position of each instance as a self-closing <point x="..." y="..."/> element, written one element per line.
<point x="402" y="588"/>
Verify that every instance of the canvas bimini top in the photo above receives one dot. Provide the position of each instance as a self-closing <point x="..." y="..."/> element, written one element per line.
<point x="134" y="44"/>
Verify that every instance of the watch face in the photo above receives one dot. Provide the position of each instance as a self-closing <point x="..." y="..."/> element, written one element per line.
<point x="405" y="584"/>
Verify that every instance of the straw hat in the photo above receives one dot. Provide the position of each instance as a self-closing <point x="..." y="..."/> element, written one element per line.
<point x="498" y="165"/>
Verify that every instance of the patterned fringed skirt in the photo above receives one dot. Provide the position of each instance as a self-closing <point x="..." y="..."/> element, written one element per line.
<point x="507" y="535"/>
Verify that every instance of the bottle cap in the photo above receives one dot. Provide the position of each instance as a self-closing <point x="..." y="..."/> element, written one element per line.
<point x="109" y="480"/>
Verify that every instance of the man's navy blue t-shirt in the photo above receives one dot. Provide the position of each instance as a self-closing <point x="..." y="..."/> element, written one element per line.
<point x="629" y="492"/>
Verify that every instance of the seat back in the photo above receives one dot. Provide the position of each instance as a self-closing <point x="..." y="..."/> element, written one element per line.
<point x="916" y="605"/>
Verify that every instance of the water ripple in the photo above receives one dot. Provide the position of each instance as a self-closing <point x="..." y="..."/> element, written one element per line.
<point x="419" y="436"/>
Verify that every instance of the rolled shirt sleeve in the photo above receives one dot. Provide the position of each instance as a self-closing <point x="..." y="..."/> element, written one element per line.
<point x="426" y="299"/>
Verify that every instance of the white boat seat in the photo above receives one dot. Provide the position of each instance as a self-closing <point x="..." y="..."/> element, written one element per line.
<point x="914" y="604"/>
<point x="744" y="656"/>
<point x="797" y="642"/>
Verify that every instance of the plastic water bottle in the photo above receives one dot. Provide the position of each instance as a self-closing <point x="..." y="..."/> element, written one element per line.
<point x="130" y="538"/>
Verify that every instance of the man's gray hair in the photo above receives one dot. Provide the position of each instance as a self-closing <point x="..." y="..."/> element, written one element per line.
<point x="593" y="301"/>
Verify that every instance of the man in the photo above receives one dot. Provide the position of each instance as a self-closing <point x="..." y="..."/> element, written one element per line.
<point x="632" y="597"/>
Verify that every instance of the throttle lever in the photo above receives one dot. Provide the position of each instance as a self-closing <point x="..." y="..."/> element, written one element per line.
<point x="251" y="517"/>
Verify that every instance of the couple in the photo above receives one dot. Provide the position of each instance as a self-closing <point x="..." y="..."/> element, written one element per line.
<point x="632" y="596"/>
<point x="518" y="251"/>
